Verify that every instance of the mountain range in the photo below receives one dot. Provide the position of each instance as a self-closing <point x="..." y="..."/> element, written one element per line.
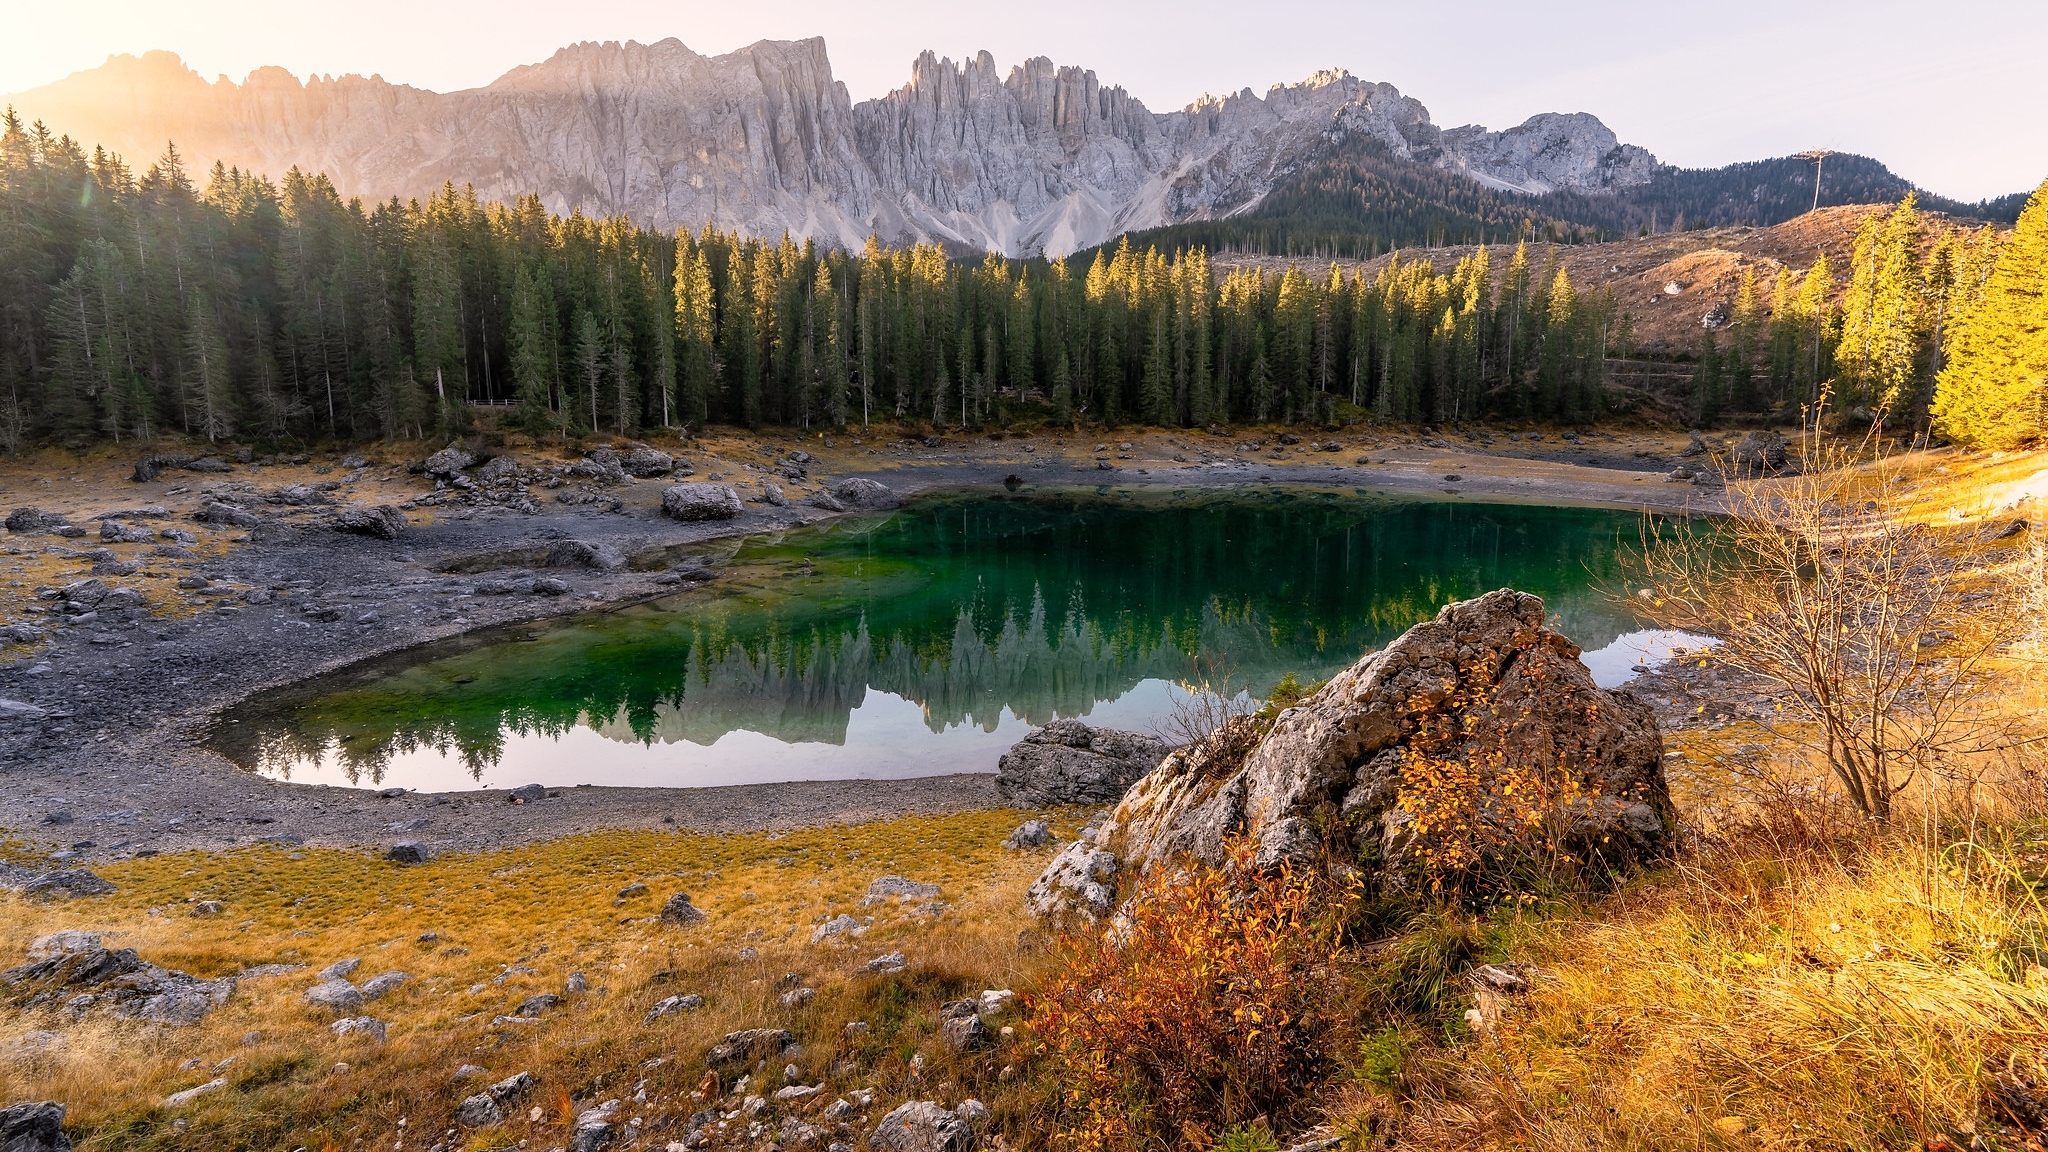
<point x="1043" y="160"/>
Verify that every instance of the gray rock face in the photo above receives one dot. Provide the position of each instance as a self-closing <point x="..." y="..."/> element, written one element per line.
<point x="689" y="502"/>
<point x="921" y="1126"/>
<point x="1041" y="158"/>
<point x="1327" y="777"/>
<point x="122" y="981"/>
<point x="382" y="521"/>
<point x="1067" y="762"/>
<point x="33" y="1127"/>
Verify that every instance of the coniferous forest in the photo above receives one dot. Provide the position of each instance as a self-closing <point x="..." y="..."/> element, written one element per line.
<point x="231" y="307"/>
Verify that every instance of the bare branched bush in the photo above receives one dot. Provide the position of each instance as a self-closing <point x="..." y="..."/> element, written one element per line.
<point x="1875" y="631"/>
<point x="1210" y="697"/>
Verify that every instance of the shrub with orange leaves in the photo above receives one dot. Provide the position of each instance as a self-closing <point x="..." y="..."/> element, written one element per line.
<point x="1215" y="1001"/>
<point x="1485" y="806"/>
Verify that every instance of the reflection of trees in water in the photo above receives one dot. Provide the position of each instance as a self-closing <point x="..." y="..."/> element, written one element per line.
<point x="1046" y="607"/>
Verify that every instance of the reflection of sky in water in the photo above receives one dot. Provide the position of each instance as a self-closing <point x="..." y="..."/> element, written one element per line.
<point x="928" y="642"/>
<point x="1614" y="665"/>
<point x="887" y="738"/>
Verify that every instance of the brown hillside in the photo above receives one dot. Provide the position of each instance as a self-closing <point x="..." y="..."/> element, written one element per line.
<point x="1704" y="267"/>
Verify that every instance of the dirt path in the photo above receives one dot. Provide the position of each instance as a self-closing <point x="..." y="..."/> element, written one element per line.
<point x="101" y="721"/>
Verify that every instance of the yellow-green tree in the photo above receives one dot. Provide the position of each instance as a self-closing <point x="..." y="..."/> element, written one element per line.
<point x="1993" y="390"/>
<point x="1882" y="314"/>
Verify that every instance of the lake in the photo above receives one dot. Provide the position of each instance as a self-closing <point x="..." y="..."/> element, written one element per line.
<point x="927" y="641"/>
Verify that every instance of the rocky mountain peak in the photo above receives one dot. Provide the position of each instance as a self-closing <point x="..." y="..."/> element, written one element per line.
<point x="1043" y="158"/>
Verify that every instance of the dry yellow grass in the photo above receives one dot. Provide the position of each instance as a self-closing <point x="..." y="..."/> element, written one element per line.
<point x="509" y="924"/>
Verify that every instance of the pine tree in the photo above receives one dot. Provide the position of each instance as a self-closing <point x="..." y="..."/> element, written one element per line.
<point x="1993" y="392"/>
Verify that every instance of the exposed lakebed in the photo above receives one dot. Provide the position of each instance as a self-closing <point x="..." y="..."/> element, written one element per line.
<point x="929" y="640"/>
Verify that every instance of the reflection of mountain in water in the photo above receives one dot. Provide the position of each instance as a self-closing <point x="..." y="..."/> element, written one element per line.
<point x="1044" y="606"/>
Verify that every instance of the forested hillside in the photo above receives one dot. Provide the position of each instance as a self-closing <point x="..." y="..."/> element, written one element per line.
<point x="1357" y="199"/>
<point x="276" y="313"/>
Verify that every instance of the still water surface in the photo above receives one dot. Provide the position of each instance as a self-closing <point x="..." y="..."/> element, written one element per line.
<point x="928" y="641"/>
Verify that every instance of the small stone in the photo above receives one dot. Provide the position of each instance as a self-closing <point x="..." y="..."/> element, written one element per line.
<point x="340" y="969"/>
<point x="885" y="964"/>
<point x="798" y="997"/>
<point x="921" y="1126"/>
<point x="550" y="586"/>
<point x="632" y="890"/>
<point x="680" y="912"/>
<point x="671" y="1006"/>
<point x="180" y="1099"/>
<point x="364" y="1027"/>
<point x="1030" y="834"/>
<point x="407" y="852"/>
<point x="696" y="502"/>
<point x="839" y="925"/>
<point x="526" y="794"/>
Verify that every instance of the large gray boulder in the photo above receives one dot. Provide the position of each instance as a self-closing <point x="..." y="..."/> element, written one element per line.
<point x="382" y="521"/>
<point x="921" y="1126"/>
<point x="1326" y="783"/>
<point x="646" y="463"/>
<point x="1757" y="453"/>
<point x="857" y="494"/>
<point x="1068" y="762"/>
<point x="33" y="1127"/>
<point x="689" y="502"/>
<point x="449" y="462"/>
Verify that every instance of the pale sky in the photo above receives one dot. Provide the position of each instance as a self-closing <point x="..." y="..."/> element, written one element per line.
<point x="1949" y="95"/>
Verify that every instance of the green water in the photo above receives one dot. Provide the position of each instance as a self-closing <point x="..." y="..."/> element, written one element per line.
<point x="927" y="641"/>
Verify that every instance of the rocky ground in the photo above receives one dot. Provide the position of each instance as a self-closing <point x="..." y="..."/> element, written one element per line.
<point x="219" y="582"/>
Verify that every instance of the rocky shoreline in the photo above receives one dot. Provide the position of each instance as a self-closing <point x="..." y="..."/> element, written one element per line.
<point x="102" y="729"/>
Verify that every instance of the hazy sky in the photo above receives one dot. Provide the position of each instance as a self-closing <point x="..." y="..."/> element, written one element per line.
<point x="1949" y="94"/>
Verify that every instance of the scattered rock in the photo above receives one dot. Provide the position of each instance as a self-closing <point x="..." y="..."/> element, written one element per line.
<point x="671" y="1006"/>
<point x="26" y="520"/>
<point x="631" y="890"/>
<point x="180" y="1099"/>
<point x="997" y="1003"/>
<point x="837" y="926"/>
<point x="771" y="494"/>
<point x="335" y="996"/>
<point x="340" y="969"/>
<point x="680" y="912"/>
<point x="226" y="516"/>
<point x="407" y="852"/>
<point x="378" y="986"/>
<point x="960" y="1026"/>
<point x="1080" y="880"/>
<point x="798" y="997"/>
<point x="449" y="462"/>
<point x="688" y="502"/>
<point x="1068" y="762"/>
<point x="1030" y="834"/>
<point x="1758" y="452"/>
<point x="796" y="1092"/>
<point x="115" y="532"/>
<point x="526" y="793"/>
<point x="885" y="964"/>
<point x="33" y="1127"/>
<point x="21" y="710"/>
<point x="897" y="888"/>
<point x="540" y="1002"/>
<point x="63" y="943"/>
<point x="921" y="1126"/>
<point x="364" y="1027"/>
<point x="749" y="1046"/>
<point x="550" y="586"/>
<point x="65" y="884"/>
<point x="382" y="521"/>
<point x="647" y="463"/>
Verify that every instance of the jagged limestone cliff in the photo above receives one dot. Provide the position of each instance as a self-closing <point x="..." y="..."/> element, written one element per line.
<point x="1041" y="159"/>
